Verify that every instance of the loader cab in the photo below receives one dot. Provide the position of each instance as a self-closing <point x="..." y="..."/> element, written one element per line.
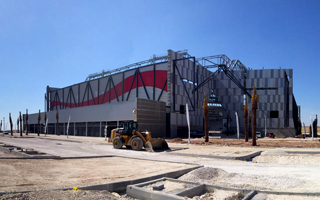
<point x="129" y="127"/>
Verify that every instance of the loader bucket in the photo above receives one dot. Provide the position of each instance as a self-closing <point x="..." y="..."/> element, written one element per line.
<point x="156" y="144"/>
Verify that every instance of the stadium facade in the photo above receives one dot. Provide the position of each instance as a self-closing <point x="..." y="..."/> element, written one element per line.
<point x="155" y="92"/>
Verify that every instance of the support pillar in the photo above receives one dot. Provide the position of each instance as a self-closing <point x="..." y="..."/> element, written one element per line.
<point x="86" y="129"/>
<point x="100" y="130"/>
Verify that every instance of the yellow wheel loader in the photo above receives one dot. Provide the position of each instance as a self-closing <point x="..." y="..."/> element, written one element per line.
<point x="130" y="137"/>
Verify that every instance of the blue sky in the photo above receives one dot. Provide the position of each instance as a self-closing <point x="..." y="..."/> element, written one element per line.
<point x="58" y="43"/>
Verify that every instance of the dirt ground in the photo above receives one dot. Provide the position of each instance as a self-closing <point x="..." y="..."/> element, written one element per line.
<point x="285" y="158"/>
<point x="33" y="174"/>
<point x="61" y="195"/>
<point x="220" y="195"/>
<point x="171" y="187"/>
<point x="261" y="142"/>
<point x="6" y="154"/>
<point x="263" y="196"/>
<point x="214" y="150"/>
<point x="276" y="169"/>
<point x="216" y="176"/>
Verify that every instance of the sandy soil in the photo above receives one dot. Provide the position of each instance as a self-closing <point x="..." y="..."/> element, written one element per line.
<point x="28" y="174"/>
<point x="220" y="195"/>
<point x="281" y="157"/>
<point x="215" y="176"/>
<point x="6" y="154"/>
<point x="261" y="142"/>
<point x="61" y="195"/>
<point x="214" y="150"/>
<point x="262" y="196"/>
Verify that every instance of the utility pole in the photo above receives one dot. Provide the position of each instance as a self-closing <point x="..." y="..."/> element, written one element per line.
<point x="311" y="126"/>
<point x="20" y="124"/>
<point x="254" y="114"/>
<point x="39" y="118"/>
<point x="11" y="125"/>
<point x="27" y="122"/>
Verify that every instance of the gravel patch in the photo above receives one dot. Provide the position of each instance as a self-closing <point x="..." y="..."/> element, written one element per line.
<point x="215" y="176"/>
<point x="284" y="158"/>
<point x="220" y="195"/>
<point x="262" y="196"/>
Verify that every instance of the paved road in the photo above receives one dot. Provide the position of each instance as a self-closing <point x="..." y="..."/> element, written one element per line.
<point x="59" y="147"/>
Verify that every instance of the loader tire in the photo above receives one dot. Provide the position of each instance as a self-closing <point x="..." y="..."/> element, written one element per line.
<point x="117" y="143"/>
<point x="136" y="144"/>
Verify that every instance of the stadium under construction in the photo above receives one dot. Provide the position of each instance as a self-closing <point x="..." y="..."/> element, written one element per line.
<point x="155" y="92"/>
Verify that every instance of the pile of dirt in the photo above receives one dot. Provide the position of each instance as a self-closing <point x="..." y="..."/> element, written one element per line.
<point x="61" y="195"/>
<point x="214" y="176"/>
<point x="177" y="140"/>
<point x="203" y="174"/>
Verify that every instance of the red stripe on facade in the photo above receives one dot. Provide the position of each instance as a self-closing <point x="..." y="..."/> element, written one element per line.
<point x="147" y="77"/>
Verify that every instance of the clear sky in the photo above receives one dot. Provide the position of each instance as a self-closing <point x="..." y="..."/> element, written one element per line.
<point x="58" y="43"/>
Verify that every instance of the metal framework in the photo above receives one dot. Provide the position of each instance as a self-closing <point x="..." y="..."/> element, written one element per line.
<point x="214" y="61"/>
<point x="221" y="62"/>
<point x="88" y="97"/>
<point x="225" y="64"/>
<point x="154" y="60"/>
<point x="176" y="69"/>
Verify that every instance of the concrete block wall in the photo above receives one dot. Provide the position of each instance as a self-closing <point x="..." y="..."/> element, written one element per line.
<point x="279" y="82"/>
<point x="151" y="116"/>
